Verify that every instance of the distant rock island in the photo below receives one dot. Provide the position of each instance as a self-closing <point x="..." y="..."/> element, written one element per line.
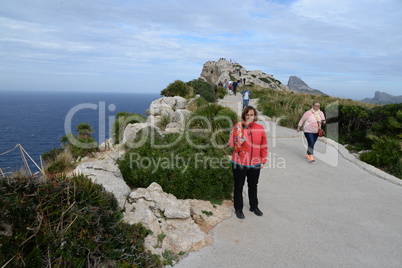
<point x="221" y="70"/>
<point x="383" y="98"/>
<point x="297" y="85"/>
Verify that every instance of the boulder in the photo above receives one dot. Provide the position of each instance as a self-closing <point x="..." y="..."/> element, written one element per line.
<point x="184" y="236"/>
<point x="107" y="174"/>
<point x="131" y="131"/>
<point x="166" y="105"/>
<point x="181" y="115"/>
<point x="210" y="214"/>
<point x="168" y="218"/>
<point x="168" y="204"/>
<point x="174" y="128"/>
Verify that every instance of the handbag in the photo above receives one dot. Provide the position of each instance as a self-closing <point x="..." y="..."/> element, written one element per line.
<point x="321" y="132"/>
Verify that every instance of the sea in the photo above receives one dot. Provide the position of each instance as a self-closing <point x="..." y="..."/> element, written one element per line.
<point x="38" y="120"/>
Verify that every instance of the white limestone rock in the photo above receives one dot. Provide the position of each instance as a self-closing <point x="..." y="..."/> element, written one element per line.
<point x="107" y="174"/>
<point x="171" y="207"/>
<point x="174" y="127"/>
<point x="184" y="236"/>
<point x="201" y="209"/>
<point x="180" y="116"/>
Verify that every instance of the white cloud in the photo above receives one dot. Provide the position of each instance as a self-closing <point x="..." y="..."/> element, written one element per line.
<point x="328" y="44"/>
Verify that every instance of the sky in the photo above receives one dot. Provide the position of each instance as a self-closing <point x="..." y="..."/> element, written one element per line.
<point x="345" y="48"/>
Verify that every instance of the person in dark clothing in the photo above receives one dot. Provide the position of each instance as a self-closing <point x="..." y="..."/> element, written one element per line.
<point x="235" y="84"/>
<point x="250" y="154"/>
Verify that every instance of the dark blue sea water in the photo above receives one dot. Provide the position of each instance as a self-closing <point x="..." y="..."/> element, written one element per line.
<point x="36" y="120"/>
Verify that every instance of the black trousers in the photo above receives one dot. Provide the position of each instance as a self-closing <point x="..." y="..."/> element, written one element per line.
<point x="240" y="173"/>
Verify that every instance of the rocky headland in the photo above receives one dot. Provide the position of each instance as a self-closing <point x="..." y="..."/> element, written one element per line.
<point x="216" y="72"/>
<point x="296" y="84"/>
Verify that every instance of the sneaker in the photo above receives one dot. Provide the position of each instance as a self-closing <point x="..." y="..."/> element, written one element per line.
<point x="311" y="158"/>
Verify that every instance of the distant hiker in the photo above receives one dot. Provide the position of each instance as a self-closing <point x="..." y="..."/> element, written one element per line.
<point x="250" y="154"/>
<point x="312" y="119"/>
<point x="230" y="89"/>
<point x="239" y="73"/>
<point x="246" y="97"/>
<point x="235" y="85"/>
<point x="244" y="81"/>
<point x="225" y="85"/>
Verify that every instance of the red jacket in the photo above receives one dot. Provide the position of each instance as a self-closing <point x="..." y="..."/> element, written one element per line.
<point x="255" y="147"/>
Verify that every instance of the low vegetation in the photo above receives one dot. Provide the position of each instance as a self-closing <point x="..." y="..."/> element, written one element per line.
<point x="67" y="222"/>
<point x="58" y="160"/>
<point x="208" y="91"/>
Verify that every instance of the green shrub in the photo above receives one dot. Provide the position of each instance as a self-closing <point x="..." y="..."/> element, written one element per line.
<point x="386" y="153"/>
<point x="67" y="222"/>
<point x="51" y="155"/>
<point x="197" y="103"/>
<point x="195" y="164"/>
<point x="204" y="89"/>
<point x="81" y="145"/>
<point x="221" y="92"/>
<point x="183" y="170"/>
<point x="177" y="88"/>
<point x="122" y="120"/>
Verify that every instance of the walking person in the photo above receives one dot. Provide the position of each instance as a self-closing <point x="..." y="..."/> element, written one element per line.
<point x="313" y="119"/>
<point x="246" y="97"/>
<point x="225" y="85"/>
<point x="250" y="154"/>
<point x="235" y="85"/>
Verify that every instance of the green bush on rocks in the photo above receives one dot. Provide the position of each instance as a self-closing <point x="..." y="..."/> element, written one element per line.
<point x="194" y="164"/>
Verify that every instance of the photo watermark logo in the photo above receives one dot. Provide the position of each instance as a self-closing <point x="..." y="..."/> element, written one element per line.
<point x="326" y="152"/>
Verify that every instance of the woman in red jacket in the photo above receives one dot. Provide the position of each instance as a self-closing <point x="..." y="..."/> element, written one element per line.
<point x="250" y="154"/>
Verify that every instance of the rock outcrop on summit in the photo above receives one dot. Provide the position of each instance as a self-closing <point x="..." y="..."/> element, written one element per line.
<point x="297" y="85"/>
<point x="217" y="71"/>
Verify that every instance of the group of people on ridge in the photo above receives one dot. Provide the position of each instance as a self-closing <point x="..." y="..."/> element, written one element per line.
<point x="249" y="141"/>
<point x="231" y="86"/>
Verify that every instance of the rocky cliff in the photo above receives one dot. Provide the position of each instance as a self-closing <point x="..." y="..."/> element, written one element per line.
<point x="217" y="71"/>
<point x="297" y="85"/>
<point x="383" y="98"/>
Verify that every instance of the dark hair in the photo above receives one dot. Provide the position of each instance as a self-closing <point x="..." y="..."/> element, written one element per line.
<point x="315" y="102"/>
<point x="246" y="110"/>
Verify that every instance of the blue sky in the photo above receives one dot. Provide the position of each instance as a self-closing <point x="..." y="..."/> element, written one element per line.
<point x="345" y="48"/>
